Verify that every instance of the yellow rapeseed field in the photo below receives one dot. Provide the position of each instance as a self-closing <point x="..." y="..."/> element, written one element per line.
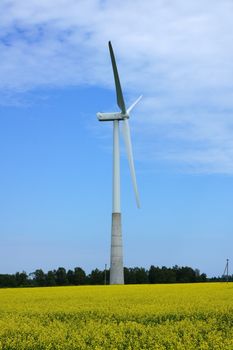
<point x="133" y="317"/>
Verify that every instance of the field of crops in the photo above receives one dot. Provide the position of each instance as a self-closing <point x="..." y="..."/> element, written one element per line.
<point x="133" y="317"/>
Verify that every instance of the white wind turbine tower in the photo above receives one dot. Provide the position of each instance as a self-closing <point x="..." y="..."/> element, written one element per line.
<point x="116" y="264"/>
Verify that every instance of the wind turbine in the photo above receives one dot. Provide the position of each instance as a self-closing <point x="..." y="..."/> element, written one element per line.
<point x="116" y="261"/>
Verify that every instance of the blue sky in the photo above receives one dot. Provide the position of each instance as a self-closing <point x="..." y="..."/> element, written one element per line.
<point x="56" y="161"/>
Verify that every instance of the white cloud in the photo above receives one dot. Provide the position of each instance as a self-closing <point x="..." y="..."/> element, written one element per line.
<point x="177" y="53"/>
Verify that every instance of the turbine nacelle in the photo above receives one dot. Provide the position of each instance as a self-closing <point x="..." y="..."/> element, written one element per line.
<point x="105" y="117"/>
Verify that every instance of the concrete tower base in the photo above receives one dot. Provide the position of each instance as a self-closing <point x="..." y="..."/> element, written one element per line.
<point x="116" y="267"/>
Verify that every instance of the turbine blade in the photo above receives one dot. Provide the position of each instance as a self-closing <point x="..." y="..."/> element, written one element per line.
<point x="120" y="99"/>
<point x="134" y="104"/>
<point x="128" y="144"/>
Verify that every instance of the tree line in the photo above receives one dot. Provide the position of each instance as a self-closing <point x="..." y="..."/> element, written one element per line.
<point x="133" y="275"/>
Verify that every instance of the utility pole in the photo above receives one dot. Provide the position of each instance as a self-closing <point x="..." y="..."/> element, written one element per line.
<point x="226" y="271"/>
<point x="105" y="274"/>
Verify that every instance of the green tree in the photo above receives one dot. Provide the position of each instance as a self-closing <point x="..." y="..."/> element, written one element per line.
<point x="70" y="277"/>
<point x="79" y="276"/>
<point x="7" y="280"/>
<point x="96" y="277"/>
<point x="51" y="278"/>
<point x="21" y="279"/>
<point x="61" y="277"/>
<point x="39" y="278"/>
